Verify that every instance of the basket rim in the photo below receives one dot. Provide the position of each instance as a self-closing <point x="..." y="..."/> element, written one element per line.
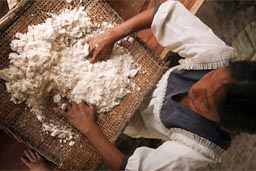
<point x="13" y="14"/>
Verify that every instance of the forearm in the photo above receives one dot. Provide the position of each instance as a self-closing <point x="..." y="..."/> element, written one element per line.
<point x="134" y="24"/>
<point x="110" y="154"/>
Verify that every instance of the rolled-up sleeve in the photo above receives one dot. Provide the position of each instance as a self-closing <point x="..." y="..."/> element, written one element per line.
<point x="169" y="156"/>
<point x="179" y="30"/>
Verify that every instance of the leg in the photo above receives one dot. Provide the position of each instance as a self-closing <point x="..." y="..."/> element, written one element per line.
<point x="34" y="161"/>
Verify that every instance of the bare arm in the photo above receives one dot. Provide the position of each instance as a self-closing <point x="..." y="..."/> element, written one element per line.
<point x="110" y="154"/>
<point x="134" y="24"/>
<point x="82" y="116"/>
<point x="101" y="45"/>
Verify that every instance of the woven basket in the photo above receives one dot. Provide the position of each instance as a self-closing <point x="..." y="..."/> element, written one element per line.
<point x="17" y="120"/>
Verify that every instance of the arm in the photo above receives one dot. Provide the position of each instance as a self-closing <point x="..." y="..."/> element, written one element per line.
<point x="101" y="45"/>
<point x="136" y="23"/>
<point x="171" y="155"/>
<point x="110" y="154"/>
<point x="82" y="117"/>
<point x="180" y="31"/>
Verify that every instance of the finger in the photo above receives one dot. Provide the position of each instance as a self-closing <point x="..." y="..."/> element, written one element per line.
<point x="86" y="40"/>
<point x="108" y="54"/>
<point x="69" y="107"/>
<point x="82" y="106"/>
<point x="105" y="57"/>
<point x="91" y="106"/>
<point x="25" y="161"/>
<point x="60" y="112"/>
<point x="38" y="155"/>
<point x="32" y="154"/>
<point x="91" y="51"/>
<point x="30" y="158"/>
<point x="75" y="107"/>
<point x="94" y="58"/>
<point x="90" y="55"/>
<point x="91" y="46"/>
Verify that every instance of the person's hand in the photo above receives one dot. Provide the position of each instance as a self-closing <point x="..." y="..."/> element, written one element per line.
<point x="81" y="116"/>
<point x="100" y="46"/>
<point x="34" y="161"/>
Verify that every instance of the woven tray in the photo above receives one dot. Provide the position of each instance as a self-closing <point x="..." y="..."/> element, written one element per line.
<point x="23" y="125"/>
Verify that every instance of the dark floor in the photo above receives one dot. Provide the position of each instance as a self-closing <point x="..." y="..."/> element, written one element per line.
<point x="11" y="150"/>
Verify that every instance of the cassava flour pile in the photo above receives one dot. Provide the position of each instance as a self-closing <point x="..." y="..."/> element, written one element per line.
<point x="50" y="60"/>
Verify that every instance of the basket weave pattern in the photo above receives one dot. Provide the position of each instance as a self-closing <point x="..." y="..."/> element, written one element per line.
<point x="17" y="119"/>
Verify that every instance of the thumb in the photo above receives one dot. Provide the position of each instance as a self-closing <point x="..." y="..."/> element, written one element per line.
<point x="94" y="57"/>
<point x="86" y="40"/>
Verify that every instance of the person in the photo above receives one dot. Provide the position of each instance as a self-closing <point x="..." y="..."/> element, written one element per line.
<point x="197" y="106"/>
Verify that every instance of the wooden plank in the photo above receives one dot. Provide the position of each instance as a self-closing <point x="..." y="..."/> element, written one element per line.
<point x="254" y="57"/>
<point x="245" y="43"/>
<point x="14" y="14"/>
<point x="147" y="35"/>
<point x="251" y="32"/>
<point x="244" y="46"/>
<point x="121" y="7"/>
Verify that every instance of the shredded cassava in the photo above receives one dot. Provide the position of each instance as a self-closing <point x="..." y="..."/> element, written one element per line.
<point x="50" y="60"/>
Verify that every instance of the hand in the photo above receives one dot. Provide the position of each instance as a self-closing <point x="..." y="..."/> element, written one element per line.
<point x="100" y="46"/>
<point x="81" y="116"/>
<point x="35" y="161"/>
